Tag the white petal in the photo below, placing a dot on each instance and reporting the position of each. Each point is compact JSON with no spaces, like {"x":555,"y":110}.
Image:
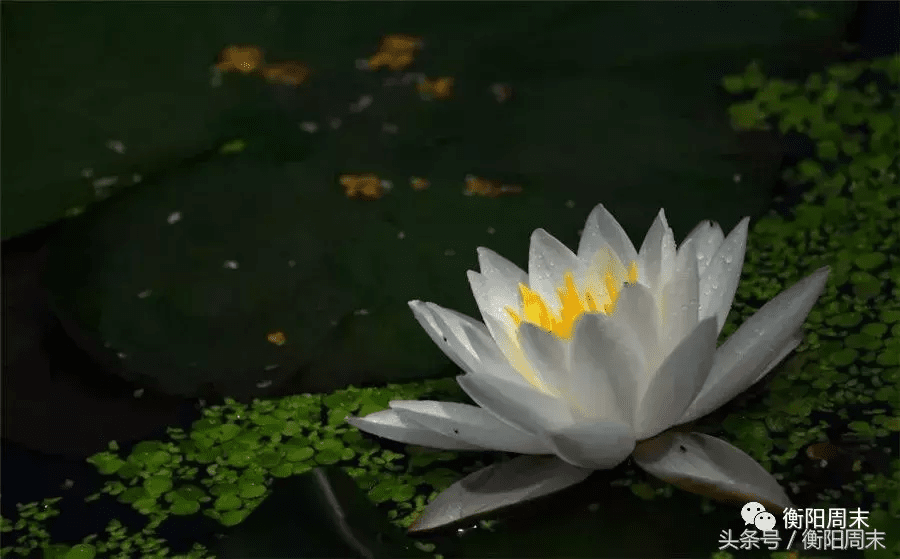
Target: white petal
{"x":454,"y":325}
{"x":440,"y":335}
{"x":679,"y":299}
{"x":499,"y":485}
{"x":389,"y":425}
{"x":469,"y":424}
{"x":720,"y":279}
{"x":740,"y":360}
{"x":494,"y":297}
{"x":598,"y":444}
{"x":603,"y":265}
{"x":493,"y":300}
{"x":499,"y":269}
{"x":519,"y":405}
{"x":637,"y":310}
{"x":547,"y":355}
{"x":601,"y":230}
{"x":707,"y":238}
{"x":513,"y":354}
{"x":709,"y":466}
{"x":607,"y":366}
{"x":677,"y":382}
{"x":471,"y":339}
{"x":548,"y":261}
{"x":657,"y":254}
{"x":786,"y":348}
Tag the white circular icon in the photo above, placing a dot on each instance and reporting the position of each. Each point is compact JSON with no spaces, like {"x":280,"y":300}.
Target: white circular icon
{"x":764,"y":521}
{"x":750,"y":510}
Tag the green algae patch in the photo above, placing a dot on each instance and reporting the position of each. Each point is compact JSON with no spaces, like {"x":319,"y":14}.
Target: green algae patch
{"x":845,"y":389}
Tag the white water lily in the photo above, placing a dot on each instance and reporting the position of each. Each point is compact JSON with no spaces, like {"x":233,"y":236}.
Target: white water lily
{"x":591,"y":357}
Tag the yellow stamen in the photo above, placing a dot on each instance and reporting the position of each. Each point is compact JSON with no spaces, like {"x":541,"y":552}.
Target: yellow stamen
{"x":633,"y":273}
{"x":573,"y":304}
{"x":612,"y":286}
{"x":602,"y":287}
{"x":534,"y":310}
{"x":571,"y":308}
{"x":591,"y":304}
{"x":514,"y":316}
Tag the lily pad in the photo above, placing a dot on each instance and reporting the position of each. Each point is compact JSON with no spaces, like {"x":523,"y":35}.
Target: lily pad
{"x":252,"y":273}
{"x":319,"y":514}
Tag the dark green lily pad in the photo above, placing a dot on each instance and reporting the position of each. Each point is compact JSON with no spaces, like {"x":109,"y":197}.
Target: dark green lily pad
{"x":316,"y":515}
{"x":263,"y":243}
{"x":98,"y":97}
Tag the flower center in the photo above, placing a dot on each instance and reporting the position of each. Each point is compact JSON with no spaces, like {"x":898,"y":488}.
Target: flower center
{"x":604,"y":280}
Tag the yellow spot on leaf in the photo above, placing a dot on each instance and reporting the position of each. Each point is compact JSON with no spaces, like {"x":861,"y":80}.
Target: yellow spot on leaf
{"x":288,"y":73}
{"x":418,"y":183}
{"x":400,"y":43}
{"x":395,"y":52}
{"x":477,"y":186}
{"x":438,"y":88}
{"x":243,"y":59}
{"x":362,"y":186}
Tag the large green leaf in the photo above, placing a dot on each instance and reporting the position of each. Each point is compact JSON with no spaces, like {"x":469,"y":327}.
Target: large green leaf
{"x":79,"y":75}
{"x":317,"y":515}
{"x":611,"y":105}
